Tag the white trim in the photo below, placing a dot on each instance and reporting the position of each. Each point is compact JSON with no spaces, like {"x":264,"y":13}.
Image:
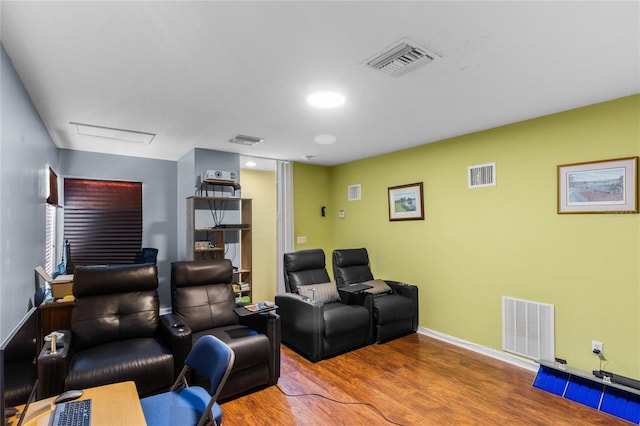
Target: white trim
{"x":284,"y":178}
{"x":483,"y":350}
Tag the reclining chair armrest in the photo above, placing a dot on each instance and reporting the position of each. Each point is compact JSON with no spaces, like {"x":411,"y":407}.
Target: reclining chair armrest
{"x":410,"y":291}
{"x":178,"y":338}
{"x":403,"y":289}
{"x":292,"y":303}
{"x":302,"y":324}
{"x":52,"y":368}
{"x":269,"y":324}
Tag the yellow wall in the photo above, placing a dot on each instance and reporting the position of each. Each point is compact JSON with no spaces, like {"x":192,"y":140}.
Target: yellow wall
{"x":476,"y":246}
{"x":309,"y":197}
{"x":260,"y":186}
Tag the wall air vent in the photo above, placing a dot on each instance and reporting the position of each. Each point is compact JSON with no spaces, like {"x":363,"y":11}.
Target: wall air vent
{"x":528,"y":328}
{"x":354,"y":192}
{"x":400,"y":58}
{"x":245,"y":140}
{"x":482,"y":175}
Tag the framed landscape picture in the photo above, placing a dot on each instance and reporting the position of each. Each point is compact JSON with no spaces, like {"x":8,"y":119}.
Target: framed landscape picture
{"x":405,"y":202}
{"x":608,"y":186}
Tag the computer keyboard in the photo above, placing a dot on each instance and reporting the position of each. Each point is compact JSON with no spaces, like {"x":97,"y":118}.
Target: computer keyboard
{"x":72,"y":413}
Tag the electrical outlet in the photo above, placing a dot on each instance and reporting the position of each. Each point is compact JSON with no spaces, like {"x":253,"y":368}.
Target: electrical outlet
{"x":597,"y":346}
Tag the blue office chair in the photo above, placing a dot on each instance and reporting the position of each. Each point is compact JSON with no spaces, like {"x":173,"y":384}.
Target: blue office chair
{"x":193,"y":405}
{"x":147,"y":255}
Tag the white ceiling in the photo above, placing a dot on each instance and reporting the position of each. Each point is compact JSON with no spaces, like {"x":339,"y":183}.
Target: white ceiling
{"x":197,"y":73}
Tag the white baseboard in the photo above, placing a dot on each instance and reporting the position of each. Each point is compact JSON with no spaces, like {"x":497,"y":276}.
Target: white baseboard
{"x":483,"y":350}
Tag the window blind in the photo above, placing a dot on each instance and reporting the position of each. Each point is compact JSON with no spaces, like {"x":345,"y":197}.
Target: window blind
{"x":50,"y":238}
{"x":102,"y":221}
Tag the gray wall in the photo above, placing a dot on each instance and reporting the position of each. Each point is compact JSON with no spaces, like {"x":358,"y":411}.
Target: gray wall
{"x":186,"y":187}
{"x":190,"y":167}
{"x":25,"y":150}
{"x":159,"y":192}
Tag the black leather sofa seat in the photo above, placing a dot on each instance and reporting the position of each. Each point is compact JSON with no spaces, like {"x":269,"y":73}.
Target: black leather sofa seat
{"x":202,"y":298}
{"x":143,"y":360}
{"x":395,"y":312}
{"x":346,"y":327}
{"x":252,"y":351}
{"x":394,"y":316}
{"x":116,"y":334}
{"x":339,"y":320}
{"x":314,"y":328}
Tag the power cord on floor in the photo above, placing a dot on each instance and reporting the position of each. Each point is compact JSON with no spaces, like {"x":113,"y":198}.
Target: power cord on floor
{"x":341,"y":402}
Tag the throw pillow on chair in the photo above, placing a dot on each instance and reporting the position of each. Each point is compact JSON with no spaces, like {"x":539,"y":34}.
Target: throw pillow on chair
{"x":325,"y":292}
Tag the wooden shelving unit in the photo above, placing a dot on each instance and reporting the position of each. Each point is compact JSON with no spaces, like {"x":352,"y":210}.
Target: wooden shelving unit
{"x":219,"y":228}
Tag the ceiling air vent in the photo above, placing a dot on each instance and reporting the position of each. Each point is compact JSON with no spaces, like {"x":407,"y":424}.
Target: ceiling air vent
{"x":400,"y":58}
{"x":354,"y":192}
{"x":245,"y":140}
{"x":482,"y":175}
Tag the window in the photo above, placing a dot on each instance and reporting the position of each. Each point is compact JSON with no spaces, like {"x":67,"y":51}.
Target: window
{"x":102,"y":221}
{"x":50,"y":238}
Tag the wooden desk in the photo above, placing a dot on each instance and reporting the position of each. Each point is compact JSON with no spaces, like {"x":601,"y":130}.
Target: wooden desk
{"x":112,"y":405}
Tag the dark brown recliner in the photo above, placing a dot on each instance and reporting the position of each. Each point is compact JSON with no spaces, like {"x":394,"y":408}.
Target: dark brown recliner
{"x":203,"y":299}
{"x":315,"y":324}
{"x":116,"y":334}
{"x":395,"y":304}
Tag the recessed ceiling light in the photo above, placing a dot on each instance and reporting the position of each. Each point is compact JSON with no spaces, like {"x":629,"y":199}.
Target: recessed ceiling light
{"x":326,"y":99}
{"x":113,"y":133}
{"x":250,"y":164}
{"x":325,"y":139}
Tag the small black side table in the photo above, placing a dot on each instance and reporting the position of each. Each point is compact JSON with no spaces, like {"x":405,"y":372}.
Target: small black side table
{"x":244,"y":312}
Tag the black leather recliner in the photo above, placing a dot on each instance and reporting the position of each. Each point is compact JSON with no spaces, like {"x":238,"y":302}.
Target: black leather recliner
{"x":395,"y":308}
{"x":318,"y":329}
{"x":203,"y":299}
{"x":116,"y":334}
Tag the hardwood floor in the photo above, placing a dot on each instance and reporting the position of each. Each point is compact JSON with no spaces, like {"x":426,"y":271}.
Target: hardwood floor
{"x":414,"y":380}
